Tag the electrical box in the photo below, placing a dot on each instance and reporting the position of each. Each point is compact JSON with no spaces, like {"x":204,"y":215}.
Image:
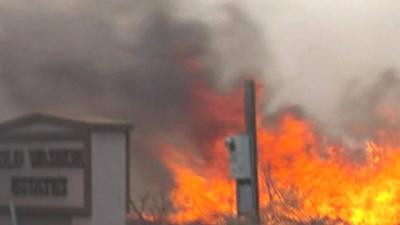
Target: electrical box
{"x":239,"y":156}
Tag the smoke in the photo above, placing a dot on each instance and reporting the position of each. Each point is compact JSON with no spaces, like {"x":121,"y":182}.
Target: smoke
{"x":123,"y":59}
{"x":310,"y":54}
{"x":327,"y":52}
{"x":130,"y":60}
{"x":319,"y":55}
{"x":116,"y":59}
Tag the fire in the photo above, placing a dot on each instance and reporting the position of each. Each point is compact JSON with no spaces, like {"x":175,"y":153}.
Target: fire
{"x":333,"y":186}
{"x":302,"y":176}
{"x":308,"y":177}
{"x":202,"y":193}
{"x":202,"y":190}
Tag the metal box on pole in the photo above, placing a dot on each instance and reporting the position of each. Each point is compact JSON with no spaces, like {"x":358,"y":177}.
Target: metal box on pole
{"x":239,"y":156}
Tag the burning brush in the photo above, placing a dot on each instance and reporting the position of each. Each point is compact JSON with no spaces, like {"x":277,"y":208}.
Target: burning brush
{"x":302,"y":178}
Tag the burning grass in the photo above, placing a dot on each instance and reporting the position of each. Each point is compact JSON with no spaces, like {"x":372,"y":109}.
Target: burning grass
{"x":305,"y":178}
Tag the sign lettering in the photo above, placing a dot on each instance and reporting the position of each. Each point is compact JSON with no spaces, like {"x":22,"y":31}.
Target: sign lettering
{"x":41,"y":158}
{"x":56,"y":158}
{"x":39,"y":186}
{"x":40,"y":173}
{"x":11,"y":159}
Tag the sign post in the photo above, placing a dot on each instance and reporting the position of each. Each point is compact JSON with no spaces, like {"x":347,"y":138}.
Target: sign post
{"x":13,"y":213}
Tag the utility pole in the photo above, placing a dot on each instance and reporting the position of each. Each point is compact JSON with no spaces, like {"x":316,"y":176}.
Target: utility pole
{"x":251,"y":130}
{"x":243,"y":159}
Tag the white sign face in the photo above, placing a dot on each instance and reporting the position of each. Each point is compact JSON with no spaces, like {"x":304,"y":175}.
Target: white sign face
{"x":43,"y":174}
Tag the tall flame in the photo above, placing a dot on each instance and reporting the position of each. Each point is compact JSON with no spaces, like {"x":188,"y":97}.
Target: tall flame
{"x":314,"y":179}
{"x":302,"y":175}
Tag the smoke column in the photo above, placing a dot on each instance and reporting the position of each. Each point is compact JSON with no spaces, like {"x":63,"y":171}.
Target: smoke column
{"x":334,"y":61}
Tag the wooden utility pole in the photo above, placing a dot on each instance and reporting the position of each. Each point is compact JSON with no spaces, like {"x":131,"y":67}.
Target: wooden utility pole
{"x":243,"y":160}
{"x":251,"y":130}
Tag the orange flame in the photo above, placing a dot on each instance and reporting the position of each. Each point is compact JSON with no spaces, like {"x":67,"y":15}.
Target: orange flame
{"x":314,"y":179}
{"x":324,"y":182}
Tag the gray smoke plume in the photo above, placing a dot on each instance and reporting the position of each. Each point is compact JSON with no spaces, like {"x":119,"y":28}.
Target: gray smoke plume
{"x":126,"y":59}
{"x":120,"y":59}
